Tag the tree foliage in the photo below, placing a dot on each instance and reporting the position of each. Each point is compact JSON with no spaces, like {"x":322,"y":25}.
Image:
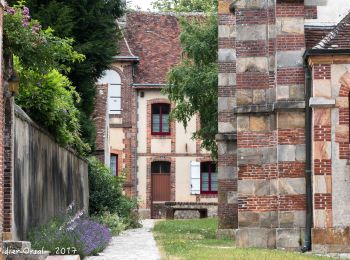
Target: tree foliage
{"x":40,"y":58}
{"x":193,"y":83}
{"x":186,"y":5}
{"x":91,"y":23}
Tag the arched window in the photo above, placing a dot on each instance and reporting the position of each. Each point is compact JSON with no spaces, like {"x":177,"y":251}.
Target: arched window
{"x":160,"y":167}
{"x":113,"y":79}
{"x":160,"y":119}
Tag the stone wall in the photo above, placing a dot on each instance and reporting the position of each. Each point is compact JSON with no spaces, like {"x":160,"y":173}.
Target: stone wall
{"x":226,"y":139}
{"x":47,"y":178}
{"x":330,"y":111}
{"x":262,"y":128}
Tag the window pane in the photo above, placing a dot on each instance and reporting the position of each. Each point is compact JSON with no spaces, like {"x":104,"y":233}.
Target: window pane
{"x":165,"y":109}
{"x":214,"y":181}
{"x":160,"y":167}
{"x":156,"y":123}
{"x":113,"y":165}
{"x":205,"y":181}
{"x":205,"y":167}
{"x":156,"y":109}
{"x":165,"y":123}
{"x":165,"y":167}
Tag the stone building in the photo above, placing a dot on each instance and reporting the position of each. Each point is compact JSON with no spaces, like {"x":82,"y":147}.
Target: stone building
{"x":284,"y":125}
{"x":160,"y":159}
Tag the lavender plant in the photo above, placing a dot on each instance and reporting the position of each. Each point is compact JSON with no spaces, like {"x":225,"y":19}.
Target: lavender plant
{"x":74,"y":229}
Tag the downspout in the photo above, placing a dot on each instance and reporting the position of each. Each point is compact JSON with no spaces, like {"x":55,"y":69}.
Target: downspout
{"x":308,"y":163}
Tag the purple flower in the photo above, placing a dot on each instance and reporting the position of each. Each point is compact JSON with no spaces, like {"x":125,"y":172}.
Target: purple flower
{"x":25,"y":11}
{"x":25,"y":23}
{"x":10,"y":10}
{"x":92,"y":236}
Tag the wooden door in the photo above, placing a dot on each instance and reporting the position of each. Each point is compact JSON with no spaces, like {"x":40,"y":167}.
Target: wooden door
{"x":160,"y":192}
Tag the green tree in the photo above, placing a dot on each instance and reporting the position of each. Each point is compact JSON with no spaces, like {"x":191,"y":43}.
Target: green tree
{"x":91,"y":23}
{"x":193,"y":84}
{"x":40,"y":58}
{"x":186,"y":5}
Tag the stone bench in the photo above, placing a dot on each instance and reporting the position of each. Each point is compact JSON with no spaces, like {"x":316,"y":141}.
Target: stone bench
{"x":202,"y":208}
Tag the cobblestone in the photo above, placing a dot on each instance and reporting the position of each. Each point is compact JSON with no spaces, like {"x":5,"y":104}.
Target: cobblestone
{"x":132,"y":245}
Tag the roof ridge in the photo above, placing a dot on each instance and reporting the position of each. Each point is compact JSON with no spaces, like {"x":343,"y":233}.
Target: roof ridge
{"x":331,"y":35}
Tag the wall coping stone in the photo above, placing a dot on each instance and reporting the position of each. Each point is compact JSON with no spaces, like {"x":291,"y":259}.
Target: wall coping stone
{"x":23,"y":116}
{"x":271,"y":107}
{"x":321,"y":102}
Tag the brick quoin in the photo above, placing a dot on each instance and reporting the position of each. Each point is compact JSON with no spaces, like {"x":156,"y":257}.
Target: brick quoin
{"x":322,"y":167}
{"x":290,"y":76}
{"x":323,"y":200}
{"x":343,"y":116}
{"x":310,"y":12}
{"x":291,"y":169}
{"x":251,"y":48}
{"x":292,"y":202}
{"x":251,"y":16}
{"x":227,"y":43}
{"x":252,"y":80}
{"x":256,"y":172}
{"x":344,"y":90}
{"x":322,"y":71}
{"x":290,"y":10}
{"x":226,"y":67}
{"x":291,"y":136}
{"x":255,"y":140}
{"x":258,"y":204}
{"x":322,"y":133}
{"x":226,"y":91}
{"x":290,"y":42}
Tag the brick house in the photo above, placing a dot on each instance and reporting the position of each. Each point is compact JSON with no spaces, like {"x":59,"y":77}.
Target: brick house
{"x":283,"y":167}
{"x":134,"y":135}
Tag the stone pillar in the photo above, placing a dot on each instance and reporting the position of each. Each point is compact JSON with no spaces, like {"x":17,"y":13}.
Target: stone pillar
{"x":227,"y":167}
{"x":290,"y":124}
{"x":256,"y":124}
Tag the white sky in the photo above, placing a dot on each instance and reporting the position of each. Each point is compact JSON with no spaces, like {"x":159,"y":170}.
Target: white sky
{"x":143,"y":4}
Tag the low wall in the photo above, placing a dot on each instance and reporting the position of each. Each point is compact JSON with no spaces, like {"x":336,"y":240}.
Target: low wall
{"x":47,"y":177}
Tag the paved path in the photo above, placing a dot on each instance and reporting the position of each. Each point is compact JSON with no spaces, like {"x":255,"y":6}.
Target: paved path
{"x":132,"y":244}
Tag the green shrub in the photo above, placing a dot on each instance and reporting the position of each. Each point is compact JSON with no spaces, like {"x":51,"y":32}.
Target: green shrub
{"x":106,"y":194}
{"x":112,"y":221}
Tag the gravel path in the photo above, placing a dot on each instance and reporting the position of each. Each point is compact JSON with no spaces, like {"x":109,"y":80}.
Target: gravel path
{"x":132,"y":244}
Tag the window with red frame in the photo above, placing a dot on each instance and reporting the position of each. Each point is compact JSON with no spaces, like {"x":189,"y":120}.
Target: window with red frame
{"x":209,"y":178}
{"x":160,"y":119}
{"x":114,"y":164}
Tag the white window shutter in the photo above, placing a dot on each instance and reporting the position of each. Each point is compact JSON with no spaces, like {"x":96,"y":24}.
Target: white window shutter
{"x":114,"y":101}
{"x":195,"y":177}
